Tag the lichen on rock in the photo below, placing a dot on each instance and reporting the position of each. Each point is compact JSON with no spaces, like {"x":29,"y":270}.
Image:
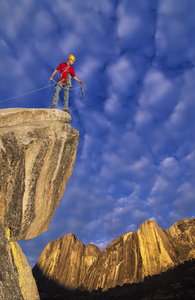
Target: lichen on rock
{"x":37,"y":153}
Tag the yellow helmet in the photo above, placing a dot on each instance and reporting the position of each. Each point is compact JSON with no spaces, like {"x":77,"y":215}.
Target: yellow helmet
{"x":72,"y":57}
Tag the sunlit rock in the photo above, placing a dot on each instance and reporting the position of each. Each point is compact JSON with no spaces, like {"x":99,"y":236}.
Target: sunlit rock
{"x":37,"y":153}
{"x":64,"y":262}
{"x":16,"y":279}
{"x":127,"y":259}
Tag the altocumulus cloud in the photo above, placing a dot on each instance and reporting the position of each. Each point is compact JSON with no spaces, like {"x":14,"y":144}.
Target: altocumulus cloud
{"x":135,"y":159}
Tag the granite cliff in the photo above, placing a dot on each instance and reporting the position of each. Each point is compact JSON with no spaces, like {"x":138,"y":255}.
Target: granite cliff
{"x":65,"y":261}
{"x":37,"y":153}
{"x":129,"y":258}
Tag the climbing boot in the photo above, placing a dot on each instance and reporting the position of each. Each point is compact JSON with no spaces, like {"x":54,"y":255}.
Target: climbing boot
{"x":52,"y":106}
{"x":66,"y":110}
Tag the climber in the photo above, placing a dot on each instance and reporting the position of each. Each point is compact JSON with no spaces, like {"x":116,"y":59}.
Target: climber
{"x":66,"y":71}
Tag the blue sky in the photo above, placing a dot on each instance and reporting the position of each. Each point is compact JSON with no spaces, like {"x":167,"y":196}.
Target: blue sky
{"x":136,"y":155}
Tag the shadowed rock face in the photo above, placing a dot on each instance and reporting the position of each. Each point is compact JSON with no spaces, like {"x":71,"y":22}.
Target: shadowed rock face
{"x":37,"y":153}
{"x":65,"y":261}
{"x":129,"y":258}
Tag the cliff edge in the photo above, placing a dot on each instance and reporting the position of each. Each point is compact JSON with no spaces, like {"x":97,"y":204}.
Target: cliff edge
{"x":37,"y":153}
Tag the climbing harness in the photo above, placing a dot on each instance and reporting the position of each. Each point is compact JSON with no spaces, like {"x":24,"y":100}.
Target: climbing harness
{"x":66,"y":81}
{"x":83,"y":92}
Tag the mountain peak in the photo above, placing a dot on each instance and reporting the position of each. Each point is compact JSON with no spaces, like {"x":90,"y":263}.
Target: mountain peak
{"x":128,"y":258}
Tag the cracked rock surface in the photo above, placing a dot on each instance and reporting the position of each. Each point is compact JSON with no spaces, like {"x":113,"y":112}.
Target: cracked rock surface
{"x":127,"y":259}
{"x":37,"y":153}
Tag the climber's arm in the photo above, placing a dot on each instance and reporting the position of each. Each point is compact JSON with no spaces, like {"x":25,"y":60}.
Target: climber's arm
{"x":54,"y":72}
{"x":78,"y":79}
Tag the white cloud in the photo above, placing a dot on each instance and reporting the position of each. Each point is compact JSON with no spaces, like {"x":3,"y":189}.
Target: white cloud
{"x":156,"y":90}
{"x":157,"y":100}
{"x":170,"y":168}
{"x":189,"y":165}
{"x":86,"y":147}
{"x":160,"y":186}
{"x":128,"y":24}
{"x":12,"y":26}
{"x":43,"y":24}
{"x":143,"y":118}
{"x":141,"y":165}
{"x":89,"y":68}
{"x":104,"y":6}
{"x":69,"y":43}
{"x":174,"y":39}
{"x":183,"y":110}
{"x":112,"y":104}
{"x":140,"y":215}
{"x":122,"y":75}
{"x":132,"y":19}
